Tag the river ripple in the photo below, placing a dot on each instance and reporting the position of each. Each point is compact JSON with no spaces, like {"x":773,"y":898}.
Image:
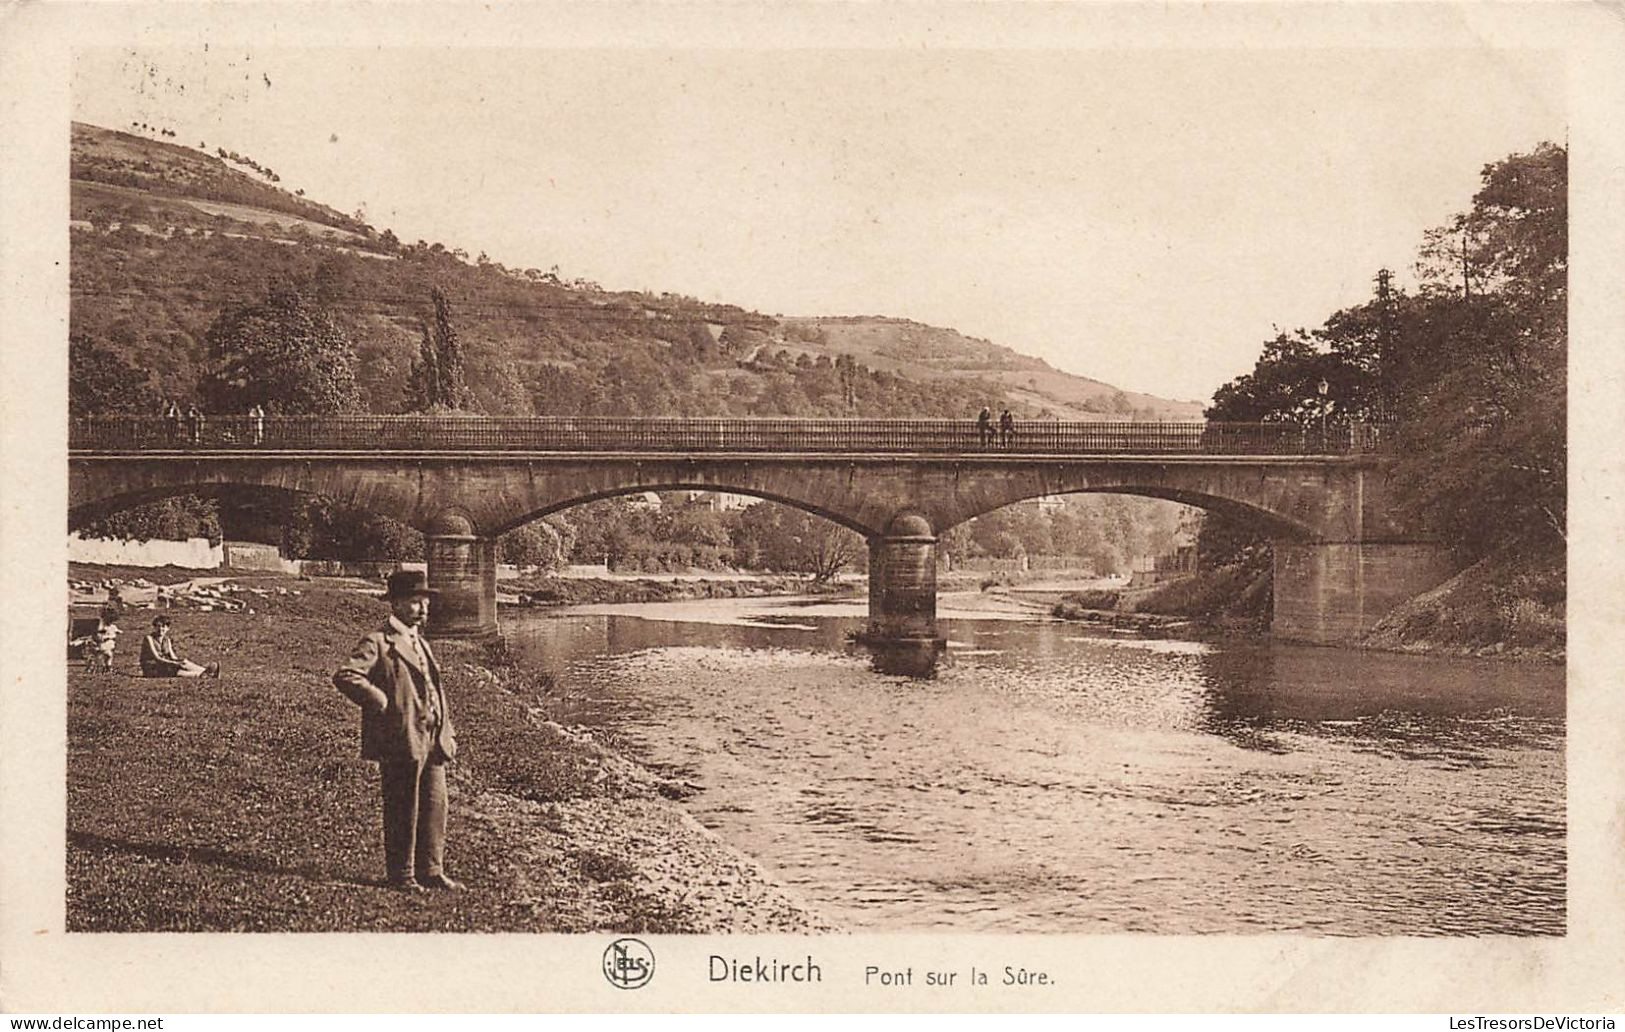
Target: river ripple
{"x":1050,"y":779}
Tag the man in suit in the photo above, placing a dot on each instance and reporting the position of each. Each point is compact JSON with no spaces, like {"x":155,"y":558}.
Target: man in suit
{"x":406,"y":727}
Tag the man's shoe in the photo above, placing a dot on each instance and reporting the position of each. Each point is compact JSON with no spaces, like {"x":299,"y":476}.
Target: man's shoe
{"x":213,"y":670}
{"x":404,"y":884}
{"x":440,"y":881}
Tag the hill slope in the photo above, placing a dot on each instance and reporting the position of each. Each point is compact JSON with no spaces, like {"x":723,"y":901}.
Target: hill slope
{"x":166,"y":237}
{"x":927,"y":353}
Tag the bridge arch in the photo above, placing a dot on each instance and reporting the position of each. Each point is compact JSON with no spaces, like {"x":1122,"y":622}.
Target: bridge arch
{"x":553,"y":506}
{"x":84,"y":511}
{"x":1307,"y":503}
{"x":405,"y":491}
{"x":1274,"y":523}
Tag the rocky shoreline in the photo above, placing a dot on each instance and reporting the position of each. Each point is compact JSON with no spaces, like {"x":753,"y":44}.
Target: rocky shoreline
{"x":639,"y":835}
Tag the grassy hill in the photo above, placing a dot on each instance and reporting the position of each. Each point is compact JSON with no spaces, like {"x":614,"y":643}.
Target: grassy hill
{"x":166,"y":237}
{"x":928,"y":353}
{"x":158,"y":169}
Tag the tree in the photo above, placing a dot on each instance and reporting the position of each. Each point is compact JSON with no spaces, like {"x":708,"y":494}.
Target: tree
{"x":534,"y":544}
{"x":777,"y":537}
{"x":334,"y":531}
{"x":101,"y":380}
{"x":827,"y":549}
{"x":1481,"y":450}
{"x":171,"y":519}
{"x":454,"y":392}
{"x":333,"y":281}
{"x":1469,"y":374}
{"x":285,"y":353}
{"x":437,"y":380}
{"x":422,"y":391}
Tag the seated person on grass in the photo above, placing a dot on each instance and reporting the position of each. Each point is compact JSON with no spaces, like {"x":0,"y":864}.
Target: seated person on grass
{"x":158,"y":657}
{"x":107,"y":632}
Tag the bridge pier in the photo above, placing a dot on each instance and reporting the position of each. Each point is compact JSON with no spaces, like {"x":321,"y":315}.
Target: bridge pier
{"x":1330,"y":593}
{"x":903,"y":633}
{"x":463,"y":568}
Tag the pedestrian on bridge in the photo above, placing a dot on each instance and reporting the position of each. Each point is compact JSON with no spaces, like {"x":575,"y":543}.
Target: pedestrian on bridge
{"x":984,"y":426}
{"x":1007,"y":428}
{"x":256,"y":421}
{"x":172,"y":414}
{"x":406,"y":727}
{"x":194,"y":419}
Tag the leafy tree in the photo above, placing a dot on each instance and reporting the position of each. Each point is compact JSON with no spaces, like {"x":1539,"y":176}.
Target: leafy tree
{"x":438,"y":380}
{"x":101,"y":380}
{"x":534,"y":544}
{"x":172,"y":519}
{"x":337,"y":531}
{"x":285,"y":353}
{"x":422,"y":392}
{"x":453,"y":379}
{"x":769,"y":536}
{"x":1481,"y":450}
{"x":1469,"y":375}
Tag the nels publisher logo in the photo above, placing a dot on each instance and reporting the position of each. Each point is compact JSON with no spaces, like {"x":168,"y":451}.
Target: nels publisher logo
{"x":629,"y":964}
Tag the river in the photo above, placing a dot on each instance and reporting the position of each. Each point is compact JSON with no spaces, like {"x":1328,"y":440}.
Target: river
{"x":1053,"y":778}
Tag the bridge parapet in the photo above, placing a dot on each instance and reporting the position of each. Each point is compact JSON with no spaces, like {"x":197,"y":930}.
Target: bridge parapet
{"x":462,"y":434}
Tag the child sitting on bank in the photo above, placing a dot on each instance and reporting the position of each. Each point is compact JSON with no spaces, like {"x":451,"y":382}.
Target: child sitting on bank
{"x":158,"y":658}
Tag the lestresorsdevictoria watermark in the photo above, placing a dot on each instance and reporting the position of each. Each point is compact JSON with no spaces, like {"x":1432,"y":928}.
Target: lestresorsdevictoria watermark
{"x":1534,"y":1023}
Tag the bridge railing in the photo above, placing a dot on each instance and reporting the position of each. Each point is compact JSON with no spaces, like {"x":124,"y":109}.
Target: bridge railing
{"x":370,"y":433}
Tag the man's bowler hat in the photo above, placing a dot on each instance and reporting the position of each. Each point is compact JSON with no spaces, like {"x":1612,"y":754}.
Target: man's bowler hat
{"x":409,"y":583}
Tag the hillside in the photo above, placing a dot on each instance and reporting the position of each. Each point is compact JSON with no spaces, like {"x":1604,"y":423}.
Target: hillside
{"x":160,"y":169}
{"x":166,"y":237}
{"x":927,"y":353}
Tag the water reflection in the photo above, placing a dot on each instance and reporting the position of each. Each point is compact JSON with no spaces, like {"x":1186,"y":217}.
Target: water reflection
{"x":1054,"y":779}
{"x":1451,"y":710}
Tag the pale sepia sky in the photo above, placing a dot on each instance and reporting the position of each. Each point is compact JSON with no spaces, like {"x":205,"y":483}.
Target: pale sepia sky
{"x":1145,"y":218}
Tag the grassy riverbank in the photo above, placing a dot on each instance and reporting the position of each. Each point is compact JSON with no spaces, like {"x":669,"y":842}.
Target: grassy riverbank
{"x":242,"y":803}
{"x":1231,"y":599}
{"x":1504,"y":606}
{"x":1514,"y":607}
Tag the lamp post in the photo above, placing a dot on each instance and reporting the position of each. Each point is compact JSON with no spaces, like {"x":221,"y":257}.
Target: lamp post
{"x":1323,"y":387}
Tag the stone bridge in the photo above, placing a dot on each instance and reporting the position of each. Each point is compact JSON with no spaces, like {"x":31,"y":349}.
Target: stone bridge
{"x":1341,"y":557}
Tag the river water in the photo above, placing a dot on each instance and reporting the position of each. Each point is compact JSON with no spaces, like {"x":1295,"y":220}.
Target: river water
{"x":1053,"y":778}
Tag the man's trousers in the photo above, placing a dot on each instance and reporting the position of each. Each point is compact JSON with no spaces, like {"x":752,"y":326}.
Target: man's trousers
{"x":414,"y":817}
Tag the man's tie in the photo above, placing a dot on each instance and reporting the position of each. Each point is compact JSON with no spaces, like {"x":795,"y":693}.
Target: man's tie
{"x":431,"y":698}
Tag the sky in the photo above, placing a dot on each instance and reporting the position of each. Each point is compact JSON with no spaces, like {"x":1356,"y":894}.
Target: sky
{"x":1146,"y":218}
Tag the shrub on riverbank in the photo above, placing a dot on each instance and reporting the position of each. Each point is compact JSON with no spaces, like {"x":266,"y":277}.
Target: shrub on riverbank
{"x":1514,"y":605}
{"x":1238,"y":592}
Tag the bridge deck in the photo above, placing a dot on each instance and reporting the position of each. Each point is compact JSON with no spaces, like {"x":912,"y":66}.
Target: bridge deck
{"x":461,"y":435}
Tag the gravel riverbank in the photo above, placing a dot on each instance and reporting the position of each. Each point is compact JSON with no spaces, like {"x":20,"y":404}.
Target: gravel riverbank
{"x":242,"y":804}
